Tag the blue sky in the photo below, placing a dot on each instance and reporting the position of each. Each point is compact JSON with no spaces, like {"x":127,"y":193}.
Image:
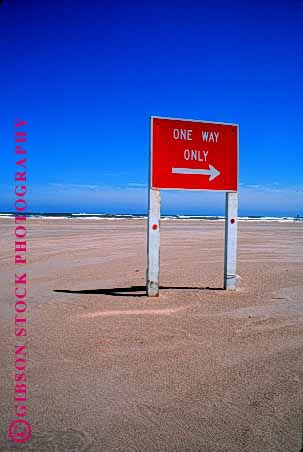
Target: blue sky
{"x":86,"y":76}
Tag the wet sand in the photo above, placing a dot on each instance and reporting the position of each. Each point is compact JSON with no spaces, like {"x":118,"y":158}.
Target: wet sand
{"x":197,"y":369}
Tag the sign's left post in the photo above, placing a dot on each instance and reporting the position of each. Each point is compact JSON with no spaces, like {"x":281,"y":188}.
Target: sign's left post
{"x":153,"y":243}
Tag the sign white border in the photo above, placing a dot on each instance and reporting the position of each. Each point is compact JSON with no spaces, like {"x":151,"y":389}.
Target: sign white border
{"x":150,"y":172}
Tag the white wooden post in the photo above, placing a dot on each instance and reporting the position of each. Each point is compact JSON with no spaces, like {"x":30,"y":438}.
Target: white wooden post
{"x":230,"y":249}
{"x":153,"y":243}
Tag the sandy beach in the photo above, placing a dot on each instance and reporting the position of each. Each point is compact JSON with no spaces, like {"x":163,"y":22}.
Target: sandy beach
{"x":196,"y":370}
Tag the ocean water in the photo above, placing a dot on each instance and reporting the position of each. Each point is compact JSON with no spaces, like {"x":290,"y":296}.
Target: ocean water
{"x":106,"y":216}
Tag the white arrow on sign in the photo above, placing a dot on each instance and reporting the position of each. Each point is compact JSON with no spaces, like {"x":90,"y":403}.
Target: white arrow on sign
{"x":212,"y":172}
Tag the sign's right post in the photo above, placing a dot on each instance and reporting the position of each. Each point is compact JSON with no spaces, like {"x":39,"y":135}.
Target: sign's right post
{"x":230,"y":248}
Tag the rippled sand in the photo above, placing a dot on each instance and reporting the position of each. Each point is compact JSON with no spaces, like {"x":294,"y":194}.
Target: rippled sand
{"x":198,"y":369}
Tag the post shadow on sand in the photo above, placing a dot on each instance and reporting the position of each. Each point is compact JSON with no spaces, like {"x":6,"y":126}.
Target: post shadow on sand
{"x":131,"y":291}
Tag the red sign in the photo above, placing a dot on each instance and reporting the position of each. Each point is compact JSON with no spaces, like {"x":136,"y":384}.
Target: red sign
{"x":194,"y":155}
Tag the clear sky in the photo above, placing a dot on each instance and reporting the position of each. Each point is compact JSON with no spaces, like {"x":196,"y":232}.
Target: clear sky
{"x":86,"y":76}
